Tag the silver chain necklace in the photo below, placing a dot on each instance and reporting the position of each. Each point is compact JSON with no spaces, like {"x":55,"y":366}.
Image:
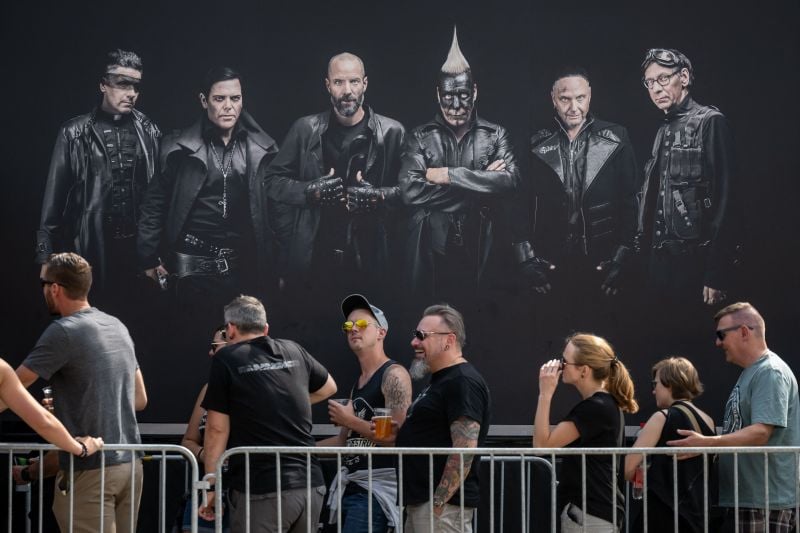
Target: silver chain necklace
{"x":225,"y":171}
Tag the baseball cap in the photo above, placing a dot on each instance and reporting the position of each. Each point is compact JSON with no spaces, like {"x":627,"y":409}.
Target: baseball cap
{"x":358,"y":301}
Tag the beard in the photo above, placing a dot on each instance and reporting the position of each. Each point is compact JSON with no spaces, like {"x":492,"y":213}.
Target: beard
{"x":51,"y":306}
{"x":419,"y":369}
{"x":347,"y":106}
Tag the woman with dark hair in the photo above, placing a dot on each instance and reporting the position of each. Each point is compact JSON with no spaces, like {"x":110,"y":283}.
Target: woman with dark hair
{"x":590,"y":365}
{"x":675,"y":384}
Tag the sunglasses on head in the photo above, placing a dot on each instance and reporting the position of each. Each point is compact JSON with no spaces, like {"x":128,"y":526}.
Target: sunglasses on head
{"x":361,"y":323}
{"x":422,"y":335}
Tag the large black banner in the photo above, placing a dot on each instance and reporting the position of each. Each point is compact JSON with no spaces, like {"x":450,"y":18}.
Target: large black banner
{"x":745,"y":64}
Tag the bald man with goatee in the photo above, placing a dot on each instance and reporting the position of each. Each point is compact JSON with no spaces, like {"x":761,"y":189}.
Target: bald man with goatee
{"x":333,"y":185}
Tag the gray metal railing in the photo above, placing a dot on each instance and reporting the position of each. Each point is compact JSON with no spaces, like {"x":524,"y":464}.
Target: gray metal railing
{"x":492,"y":460}
{"x":156,"y":452}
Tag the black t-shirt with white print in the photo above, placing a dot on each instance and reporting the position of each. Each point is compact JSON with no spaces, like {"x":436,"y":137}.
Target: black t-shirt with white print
{"x":263,"y":385}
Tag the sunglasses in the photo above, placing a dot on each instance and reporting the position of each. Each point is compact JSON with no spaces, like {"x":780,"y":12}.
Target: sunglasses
{"x":219,"y":343}
{"x":654,"y":383}
{"x":564,"y":363}
{"x":361,"y":323}
{"x":46,"y":282}
{"x":721,"y":332}
{"x":422,"y":335}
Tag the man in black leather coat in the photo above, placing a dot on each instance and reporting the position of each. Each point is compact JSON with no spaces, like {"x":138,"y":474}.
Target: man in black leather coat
{"x":585,"y":182}
{"x":203,"y":221}
{"x":455,"y":171}
{"x":689,"y":216}
{"x":99,"y":171}
{"x":333,"y":187}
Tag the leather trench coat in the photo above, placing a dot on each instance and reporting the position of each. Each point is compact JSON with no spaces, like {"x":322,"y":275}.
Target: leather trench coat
{"x":183,"y":172}
{"x":78,"y":188}
{"x":473,"y":191}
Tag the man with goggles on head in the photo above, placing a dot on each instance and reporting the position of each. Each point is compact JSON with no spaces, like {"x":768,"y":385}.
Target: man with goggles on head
{"x":688,"y":214}
{"x":456,"y":170}
{"x":383,"y":383}
{"x":100,"y":168}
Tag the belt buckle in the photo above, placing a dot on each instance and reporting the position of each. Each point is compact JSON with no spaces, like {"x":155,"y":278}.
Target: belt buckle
{"x":222,"y":264}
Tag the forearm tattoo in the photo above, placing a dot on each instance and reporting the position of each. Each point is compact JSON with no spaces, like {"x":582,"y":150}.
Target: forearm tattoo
{"x":396,"y":390}
{"x":464,"y":434}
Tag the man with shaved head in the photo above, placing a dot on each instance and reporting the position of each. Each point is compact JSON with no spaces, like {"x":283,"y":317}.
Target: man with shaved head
{"x":762,"y":410}
{"x":334,"y":184}
{"x":457,"y":168}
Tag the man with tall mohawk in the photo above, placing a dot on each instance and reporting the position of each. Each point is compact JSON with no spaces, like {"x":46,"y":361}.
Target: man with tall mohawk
{"x":453,"y":173}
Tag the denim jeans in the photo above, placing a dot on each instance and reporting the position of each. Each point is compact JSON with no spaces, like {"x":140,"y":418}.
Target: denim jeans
{"x":355,"y":514}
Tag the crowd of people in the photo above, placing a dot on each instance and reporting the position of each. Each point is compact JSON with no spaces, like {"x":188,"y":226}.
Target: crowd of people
{"x":217,"y":211}
{"x":260,"y":391}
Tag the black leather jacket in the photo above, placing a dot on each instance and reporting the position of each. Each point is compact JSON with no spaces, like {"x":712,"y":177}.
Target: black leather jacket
{"x":183,"y":171}
{"x":472,"y":191}
{"x":295,"y":222}
{"x":75,"y":194}
{"x":610,"y":186}
{"x":687,"y":196}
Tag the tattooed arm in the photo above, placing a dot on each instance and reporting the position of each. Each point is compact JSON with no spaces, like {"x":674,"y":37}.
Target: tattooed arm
{"x":396,"y":389}
{"x":464,"y":434}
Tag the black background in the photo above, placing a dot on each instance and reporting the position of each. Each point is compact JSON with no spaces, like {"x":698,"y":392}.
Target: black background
{"x":745,"y":62}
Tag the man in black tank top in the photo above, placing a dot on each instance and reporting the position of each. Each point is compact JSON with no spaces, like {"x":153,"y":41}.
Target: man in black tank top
{"x":382,"y":384}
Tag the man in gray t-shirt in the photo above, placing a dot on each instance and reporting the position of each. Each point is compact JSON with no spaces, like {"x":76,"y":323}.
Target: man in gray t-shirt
{"x":762,"y":410}
{"x":89,"y":359}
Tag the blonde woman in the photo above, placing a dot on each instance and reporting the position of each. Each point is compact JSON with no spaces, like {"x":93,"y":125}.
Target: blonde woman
{"x":589,"y":364}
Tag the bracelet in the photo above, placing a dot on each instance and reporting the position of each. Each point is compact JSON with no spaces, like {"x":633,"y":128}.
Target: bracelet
{"x":84,"y":451}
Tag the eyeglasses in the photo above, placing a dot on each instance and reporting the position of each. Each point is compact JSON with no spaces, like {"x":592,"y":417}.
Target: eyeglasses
{"x":654,"y":383}
{"x":422,"y":335}
{"x":361,"y":323}
{"x":46,"y":282}
{"x":662,"y":80}
{"x":721,"y":332}
{"x":564,"y":363}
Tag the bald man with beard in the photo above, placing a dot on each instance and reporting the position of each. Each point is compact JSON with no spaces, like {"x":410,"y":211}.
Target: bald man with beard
{"x":333,"y":185}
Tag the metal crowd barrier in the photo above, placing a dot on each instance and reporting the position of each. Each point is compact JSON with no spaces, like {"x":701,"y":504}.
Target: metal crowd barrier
{"x":503,"y":455}
{"x":514,"y":460}
{"x":153,"y":452}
